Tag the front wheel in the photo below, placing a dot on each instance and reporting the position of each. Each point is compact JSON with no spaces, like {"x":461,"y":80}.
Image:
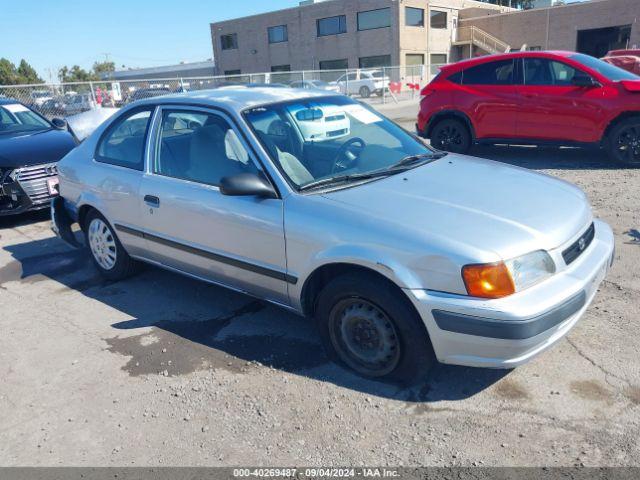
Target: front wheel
{"x":367,"y":325}
{"x":108,"y":254}
{"x":451,"y":135}
{"x":623,"y":142}
{"x":365,"y":92}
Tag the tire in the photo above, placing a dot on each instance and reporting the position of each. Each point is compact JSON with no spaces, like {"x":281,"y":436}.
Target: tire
{"x":107,"y":253}
{"x":368,"y":325}
{"x":623,"y":142}
{"x":451,"y":135}
{"x":365,"y":92}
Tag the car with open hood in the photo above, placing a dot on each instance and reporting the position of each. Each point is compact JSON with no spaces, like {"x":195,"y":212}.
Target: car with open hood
{"x":402,"y":254}
{"x":30,"y":147}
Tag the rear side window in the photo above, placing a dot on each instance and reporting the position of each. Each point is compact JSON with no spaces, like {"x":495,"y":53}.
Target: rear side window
{"x":491,"y":73}
{"x":455,"y":78}
{"x":123,"y":143}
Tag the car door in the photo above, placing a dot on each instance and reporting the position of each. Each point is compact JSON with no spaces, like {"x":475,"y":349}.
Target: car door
{"x":553,"y":108}
{"x":192,"y":227}
{"x":116,"y":174}
{"x":488,"y":94}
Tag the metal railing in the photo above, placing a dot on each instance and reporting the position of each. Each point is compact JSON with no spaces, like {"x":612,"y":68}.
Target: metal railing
{"x":373,"y":85}
{"x":482,"y":39}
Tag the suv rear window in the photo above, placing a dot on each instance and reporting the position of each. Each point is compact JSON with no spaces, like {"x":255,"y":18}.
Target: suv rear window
{"x":491,"y":73}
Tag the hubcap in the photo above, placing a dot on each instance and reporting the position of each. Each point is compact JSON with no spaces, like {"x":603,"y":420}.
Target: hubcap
{"x":364,"y":337}
{"x":102,"y":244}
{"x":628,"y":144}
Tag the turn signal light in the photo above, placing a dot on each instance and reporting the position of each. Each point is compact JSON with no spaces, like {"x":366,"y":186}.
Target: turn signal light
{"x":490,"y":280}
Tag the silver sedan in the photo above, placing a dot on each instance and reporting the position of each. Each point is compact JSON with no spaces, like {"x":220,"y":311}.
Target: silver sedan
{"x":403,"y":255}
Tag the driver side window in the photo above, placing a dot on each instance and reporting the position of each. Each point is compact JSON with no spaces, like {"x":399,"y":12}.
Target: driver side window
{"x":541,"y":71}
{"x":200,"y":147}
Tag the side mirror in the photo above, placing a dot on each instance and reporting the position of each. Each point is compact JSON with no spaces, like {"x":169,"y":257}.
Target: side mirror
{"x":247,"y":184}
{"x":584,"y":81}
{"x":59,"y":124}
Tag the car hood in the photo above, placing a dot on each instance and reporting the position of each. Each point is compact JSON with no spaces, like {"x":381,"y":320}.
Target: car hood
{"x":488,"y":207}
{"x":26,"y":149}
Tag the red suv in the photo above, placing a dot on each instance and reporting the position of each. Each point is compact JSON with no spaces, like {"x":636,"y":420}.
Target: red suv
{"x":540,"y":98}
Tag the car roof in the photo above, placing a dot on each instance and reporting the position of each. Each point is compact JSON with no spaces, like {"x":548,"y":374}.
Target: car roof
{"x":506,"y":56}
{"x":8,"y":101}
{"x":236,"y":98}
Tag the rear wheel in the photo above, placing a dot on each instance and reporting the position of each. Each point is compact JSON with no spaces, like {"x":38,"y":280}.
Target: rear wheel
{"x":451,"y":135}
{"x":365,"y":92}
{"x":107,"y":252}
{"x":370,"y":328}
{"x":623,"y":142}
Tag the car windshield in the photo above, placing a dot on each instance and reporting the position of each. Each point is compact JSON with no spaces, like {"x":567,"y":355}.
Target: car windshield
{"x":612,"y":72}
{"x":318,"y":140}
{"x":16,"y":118}
{"x":318,"y":83}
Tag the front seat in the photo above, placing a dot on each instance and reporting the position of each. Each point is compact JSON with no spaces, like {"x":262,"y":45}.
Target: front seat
{"x":208,"y":162}
{"x":294,"y":169}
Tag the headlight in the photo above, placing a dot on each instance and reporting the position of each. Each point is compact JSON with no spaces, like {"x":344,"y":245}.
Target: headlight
{"x":496,"y":280}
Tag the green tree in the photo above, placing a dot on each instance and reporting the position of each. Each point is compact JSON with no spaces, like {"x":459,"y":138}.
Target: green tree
{"x":103,"y":68}
{"x":28,"y":74}
{"x":10,"y":75}
{"x":75,"y":74}
{"x":7,"y":72}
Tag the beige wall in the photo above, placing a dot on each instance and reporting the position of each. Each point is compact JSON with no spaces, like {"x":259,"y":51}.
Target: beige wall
{"x":305,"y":49}
{"x":557,"y":27}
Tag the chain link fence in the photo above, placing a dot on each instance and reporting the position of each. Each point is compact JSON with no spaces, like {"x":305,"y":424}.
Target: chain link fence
{"x":373,"y":85}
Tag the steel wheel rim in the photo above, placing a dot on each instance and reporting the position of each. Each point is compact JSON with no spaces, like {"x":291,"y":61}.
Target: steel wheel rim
{"x":365,"y":337}
{"x":102,"y":243}
{"x":628,"y":144}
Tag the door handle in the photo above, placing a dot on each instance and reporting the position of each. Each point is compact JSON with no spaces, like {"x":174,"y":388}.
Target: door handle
{"x":152,"y":200}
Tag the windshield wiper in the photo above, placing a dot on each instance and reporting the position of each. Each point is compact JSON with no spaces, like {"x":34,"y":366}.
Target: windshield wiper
{"x":323,"y":182}
{"x":415,"y":160}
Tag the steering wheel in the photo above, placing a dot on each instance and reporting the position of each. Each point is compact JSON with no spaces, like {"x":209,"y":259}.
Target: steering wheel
{"x":346,"y":158}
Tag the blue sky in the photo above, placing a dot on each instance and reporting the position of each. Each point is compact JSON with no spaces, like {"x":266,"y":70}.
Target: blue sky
{"x":136,"y":33}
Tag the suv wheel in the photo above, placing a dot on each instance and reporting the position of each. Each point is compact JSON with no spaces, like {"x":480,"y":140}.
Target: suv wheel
{"x":451,"y":135}
{"x":365,"y":92}
{"x":107,"y":252}
{"x":370,"y":328}
{"x":623,"y":142}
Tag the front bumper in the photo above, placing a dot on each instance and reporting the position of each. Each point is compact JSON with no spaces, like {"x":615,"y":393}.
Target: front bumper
{"x":27,"y":188}
{"x":510,"y":331}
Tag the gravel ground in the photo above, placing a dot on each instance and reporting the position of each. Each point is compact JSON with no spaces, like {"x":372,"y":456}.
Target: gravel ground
{"x":164,"y":370}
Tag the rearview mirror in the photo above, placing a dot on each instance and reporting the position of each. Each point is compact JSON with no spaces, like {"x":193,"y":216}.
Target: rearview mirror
{"x":59,"y":123}
{"x":247,"y":184}
{"x":309,"y":115}
{"x":584,"y":81}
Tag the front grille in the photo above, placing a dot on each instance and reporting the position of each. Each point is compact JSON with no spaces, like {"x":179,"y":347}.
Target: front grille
{"x":579,"y":246}
{"x":33,"y":180}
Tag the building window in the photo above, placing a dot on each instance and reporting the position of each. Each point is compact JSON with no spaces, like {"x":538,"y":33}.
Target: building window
{"x":332,"y":25}
{"x":535,"y":48}
{"x":229,"y":42}
{"x":375,"y":62}
{"x":281,"y":68}
{"x":438,"y":19}
{"x":437,"y":60}
{"x":278,"y":34}
{"x":371,"y":19}
{"x":413,"y":17}
{"x":232,"y":72}
{"x":414,"y":59}
{"x":341,"y":64}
